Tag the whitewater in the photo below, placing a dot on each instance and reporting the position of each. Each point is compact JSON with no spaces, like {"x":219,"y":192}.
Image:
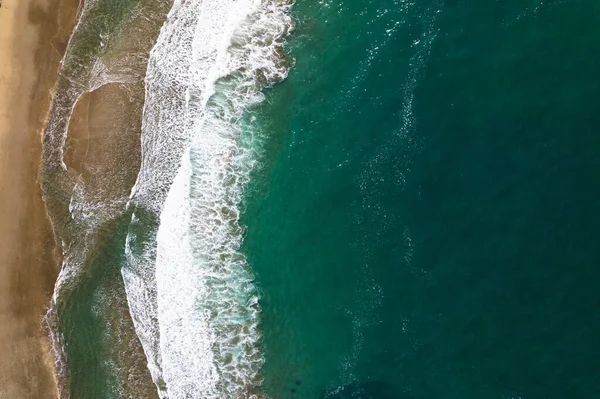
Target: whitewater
{"x":189,"y":288}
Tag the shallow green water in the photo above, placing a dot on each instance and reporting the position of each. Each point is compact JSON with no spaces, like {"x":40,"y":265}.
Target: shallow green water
{"x":98,"y":354}
{"x":425,"y":224}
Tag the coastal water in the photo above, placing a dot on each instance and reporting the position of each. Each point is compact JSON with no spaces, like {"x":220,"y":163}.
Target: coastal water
{"x":426,"y":224}
{"x":396,"y":200}
{"x":91,"y":160}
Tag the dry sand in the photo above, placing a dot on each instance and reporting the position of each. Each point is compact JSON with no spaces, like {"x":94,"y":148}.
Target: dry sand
{"x":33,"y":36}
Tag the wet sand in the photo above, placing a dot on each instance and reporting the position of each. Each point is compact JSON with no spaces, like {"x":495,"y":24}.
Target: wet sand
{"x":33,"y":37}
{"x":102,"y":155}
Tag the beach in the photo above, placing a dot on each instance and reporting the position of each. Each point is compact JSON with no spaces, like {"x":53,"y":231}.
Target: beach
{"x":33,"y":37}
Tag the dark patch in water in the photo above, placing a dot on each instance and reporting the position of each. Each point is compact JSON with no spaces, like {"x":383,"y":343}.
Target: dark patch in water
{"x":366,"y":390}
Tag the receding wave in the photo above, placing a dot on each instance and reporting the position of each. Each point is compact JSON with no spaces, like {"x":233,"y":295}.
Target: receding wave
{"x":90,"y":161}
{"x":189,"y":288}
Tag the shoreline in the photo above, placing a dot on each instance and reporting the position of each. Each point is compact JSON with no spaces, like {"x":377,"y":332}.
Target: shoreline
{"x":91,"y":144}
{"x":33,"y":37}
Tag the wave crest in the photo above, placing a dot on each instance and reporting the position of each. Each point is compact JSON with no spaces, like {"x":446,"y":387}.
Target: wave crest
{"x":190,"y":290}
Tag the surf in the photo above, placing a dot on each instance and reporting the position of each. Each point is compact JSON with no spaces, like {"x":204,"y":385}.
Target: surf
{"x":190,"y":290}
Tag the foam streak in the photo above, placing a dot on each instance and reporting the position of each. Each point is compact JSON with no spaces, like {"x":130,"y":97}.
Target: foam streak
{"x":189,"y":288}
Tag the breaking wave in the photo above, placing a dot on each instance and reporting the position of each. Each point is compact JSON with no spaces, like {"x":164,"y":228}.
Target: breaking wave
{"x":190,"y":290}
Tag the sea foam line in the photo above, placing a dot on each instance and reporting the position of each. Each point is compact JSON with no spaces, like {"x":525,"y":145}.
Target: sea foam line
{"x":76,"y":77}
{"x":189,"y":288}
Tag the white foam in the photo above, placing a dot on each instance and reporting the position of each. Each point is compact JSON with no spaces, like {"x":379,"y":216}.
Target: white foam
{"x":89,"y":206}
{"x":191,"y":296}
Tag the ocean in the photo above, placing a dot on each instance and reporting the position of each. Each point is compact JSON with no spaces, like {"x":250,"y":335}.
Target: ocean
{"x":354,"y":199}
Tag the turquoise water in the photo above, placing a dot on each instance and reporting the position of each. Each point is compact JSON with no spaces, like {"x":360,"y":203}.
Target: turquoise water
{"x":416,"y":203}
{"x":426,"y":224}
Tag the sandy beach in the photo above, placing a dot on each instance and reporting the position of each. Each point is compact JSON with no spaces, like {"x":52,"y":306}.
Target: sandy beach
{"x":33,"y":37}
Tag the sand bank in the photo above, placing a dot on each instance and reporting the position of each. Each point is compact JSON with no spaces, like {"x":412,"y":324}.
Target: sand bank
{"x":33,"y":36}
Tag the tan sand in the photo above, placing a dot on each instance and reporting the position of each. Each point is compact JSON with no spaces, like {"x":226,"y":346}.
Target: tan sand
{"x":33,"y":36}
